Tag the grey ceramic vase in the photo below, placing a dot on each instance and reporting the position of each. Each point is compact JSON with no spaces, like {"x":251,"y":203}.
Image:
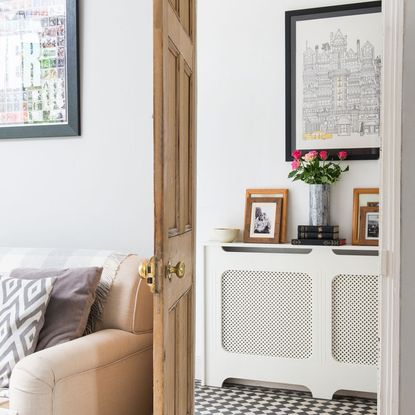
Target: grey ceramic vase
{"x":319,"y":204}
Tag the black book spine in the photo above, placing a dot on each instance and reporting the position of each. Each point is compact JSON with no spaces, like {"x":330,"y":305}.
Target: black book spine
{"x":319,"y":242}
{"x":309,"y":228}
{"x":318,"y":235}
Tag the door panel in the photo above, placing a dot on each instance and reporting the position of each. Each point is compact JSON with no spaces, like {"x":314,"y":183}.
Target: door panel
{"x":174,"y":179}
{"x":185,"y":14}
{"x":175,"y":5}
{"x":182,"y":341}
{"x":179,"y":363}
{"x":186,"y":148}
{"x":176,"y":288}
{"x":172,"y":167}
{"x":171,"y":364}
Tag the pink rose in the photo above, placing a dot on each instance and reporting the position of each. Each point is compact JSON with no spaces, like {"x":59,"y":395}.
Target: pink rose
{"x":342,"y":155}
{"x":295,"y":164}
{"x":312,"y":155}
{"x":297,"y":154}
{"x":324,"y":155}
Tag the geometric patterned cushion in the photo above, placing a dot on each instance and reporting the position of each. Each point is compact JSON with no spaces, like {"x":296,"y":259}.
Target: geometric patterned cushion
{"x":23,"y":305}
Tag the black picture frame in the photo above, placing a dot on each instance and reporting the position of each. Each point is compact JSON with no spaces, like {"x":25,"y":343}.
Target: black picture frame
{"x":291,"y":17}
{"x":73,"y":125}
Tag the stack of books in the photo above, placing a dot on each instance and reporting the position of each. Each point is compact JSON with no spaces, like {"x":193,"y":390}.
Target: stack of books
{"x":318,"y":235}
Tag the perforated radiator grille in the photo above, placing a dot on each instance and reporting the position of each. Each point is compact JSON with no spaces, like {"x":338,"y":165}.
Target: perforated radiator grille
{"x":267,"y":313}
{"x":355,"y":307}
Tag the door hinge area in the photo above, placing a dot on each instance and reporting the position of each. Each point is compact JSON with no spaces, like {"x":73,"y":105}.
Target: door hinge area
{"x":385,"y":263}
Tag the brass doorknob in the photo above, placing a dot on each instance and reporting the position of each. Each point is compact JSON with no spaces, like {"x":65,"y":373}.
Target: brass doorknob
{"x":143,"y":269}
{"x":147,"y":271}
{"x":179,"y":270}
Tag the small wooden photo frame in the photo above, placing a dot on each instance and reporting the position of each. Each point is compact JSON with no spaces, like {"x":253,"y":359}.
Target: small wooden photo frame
{"x":272,"y":193}
{"x":369,"y":225}
{"x":263,"y":220}
{"x":365,"y":210}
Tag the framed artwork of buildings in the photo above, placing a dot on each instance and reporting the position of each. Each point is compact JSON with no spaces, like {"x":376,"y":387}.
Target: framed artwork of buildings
{"x":39,"y":84}
{"x":333,"y":79}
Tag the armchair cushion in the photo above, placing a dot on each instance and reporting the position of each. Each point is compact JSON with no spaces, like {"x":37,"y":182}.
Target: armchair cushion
{"x":4,"y":403}
{"x":129,"y":305}
{"x":105,"y":373}
{"x":70,"y":303}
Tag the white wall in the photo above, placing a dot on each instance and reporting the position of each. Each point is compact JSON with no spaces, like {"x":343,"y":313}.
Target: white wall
{"x":94,"y":191}
{"x":241,"y":119}
{"x":407,"y":365}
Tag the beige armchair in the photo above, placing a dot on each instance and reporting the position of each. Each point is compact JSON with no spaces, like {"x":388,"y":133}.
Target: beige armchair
{"x":105,"y":373}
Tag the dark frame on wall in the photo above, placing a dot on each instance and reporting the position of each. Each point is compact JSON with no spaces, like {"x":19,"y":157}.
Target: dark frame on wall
{"x":291,"y":19}
{"x":72,"y":125}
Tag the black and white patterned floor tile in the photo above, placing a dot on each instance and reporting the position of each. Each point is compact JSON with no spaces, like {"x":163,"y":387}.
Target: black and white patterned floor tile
{"x":248,"y":400}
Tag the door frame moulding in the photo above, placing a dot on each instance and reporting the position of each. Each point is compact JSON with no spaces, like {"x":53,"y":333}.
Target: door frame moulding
{"x":393,"y":20}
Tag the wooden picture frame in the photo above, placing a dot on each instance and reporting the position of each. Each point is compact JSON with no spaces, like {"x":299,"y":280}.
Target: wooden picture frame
{"x":363,"y":232}
{"x":362,"y":197}
{"x":279,"y":193}
{"x":263,"y":220}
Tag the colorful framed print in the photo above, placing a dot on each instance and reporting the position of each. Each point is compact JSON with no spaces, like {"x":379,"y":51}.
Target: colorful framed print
{"x":39,"y":77}
{"x":263,"y":220}
{"x":333,"y":80}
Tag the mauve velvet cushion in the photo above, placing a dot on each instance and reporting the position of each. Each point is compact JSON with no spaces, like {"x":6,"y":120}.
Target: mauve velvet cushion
{"x":70,"y":303}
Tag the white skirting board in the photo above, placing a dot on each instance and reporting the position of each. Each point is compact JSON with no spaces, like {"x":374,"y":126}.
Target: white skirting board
{"x":198,"y":368}
{"x":304,"y":316}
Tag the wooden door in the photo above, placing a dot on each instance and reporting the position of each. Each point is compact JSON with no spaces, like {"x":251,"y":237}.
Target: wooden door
{"x":174,"y":170}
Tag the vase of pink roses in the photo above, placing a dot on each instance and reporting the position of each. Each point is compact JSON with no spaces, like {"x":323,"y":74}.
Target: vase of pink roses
{"x":316,"y":170}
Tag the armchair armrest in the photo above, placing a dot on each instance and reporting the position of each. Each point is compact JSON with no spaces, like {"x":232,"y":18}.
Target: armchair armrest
{"x":105,"y":373}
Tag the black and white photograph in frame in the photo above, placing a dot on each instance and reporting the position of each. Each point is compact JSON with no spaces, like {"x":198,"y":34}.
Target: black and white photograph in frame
{"x":372,"y":226}
{"x":333,"y":80}
{"x":263,"y":220}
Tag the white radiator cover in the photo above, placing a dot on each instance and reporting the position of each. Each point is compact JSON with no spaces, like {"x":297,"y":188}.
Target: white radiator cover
{"x":304,"y":316}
